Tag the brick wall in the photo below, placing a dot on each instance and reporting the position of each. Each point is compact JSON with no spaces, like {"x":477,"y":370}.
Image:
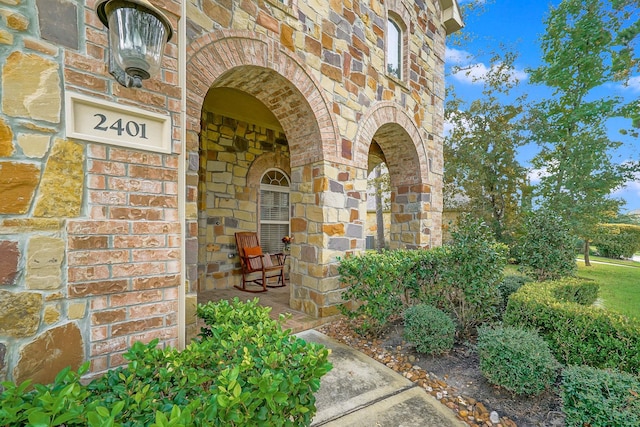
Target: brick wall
{"x":89,"y":234}
{"x":90,"y":238}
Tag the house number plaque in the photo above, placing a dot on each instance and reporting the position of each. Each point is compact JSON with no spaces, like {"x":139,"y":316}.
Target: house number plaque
{"x":95,"y":120}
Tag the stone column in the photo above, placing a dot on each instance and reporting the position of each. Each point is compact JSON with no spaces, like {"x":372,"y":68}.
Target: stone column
{"x":328,"y":222}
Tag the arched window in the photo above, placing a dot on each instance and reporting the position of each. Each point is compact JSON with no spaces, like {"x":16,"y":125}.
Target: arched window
{"x":394,"y":48}
{"x":274,"y":210}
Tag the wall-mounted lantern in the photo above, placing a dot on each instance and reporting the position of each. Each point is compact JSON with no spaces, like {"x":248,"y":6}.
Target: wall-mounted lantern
{"x":138,"y":33}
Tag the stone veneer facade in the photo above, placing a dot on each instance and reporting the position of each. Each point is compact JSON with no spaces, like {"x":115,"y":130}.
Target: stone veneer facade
{"x":102,"y":245}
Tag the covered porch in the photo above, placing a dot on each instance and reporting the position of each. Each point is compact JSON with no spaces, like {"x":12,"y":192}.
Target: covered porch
{"x":277,"y":299}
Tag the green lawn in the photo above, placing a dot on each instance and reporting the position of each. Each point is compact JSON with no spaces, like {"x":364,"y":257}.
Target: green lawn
{"x":619,"y":286}
{"x":609,"y":260}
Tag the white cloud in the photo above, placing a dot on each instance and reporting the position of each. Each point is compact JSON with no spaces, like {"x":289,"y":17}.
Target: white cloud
{"x":521,"y":75}
{"x":472,"y":74}
{"x":634,"y":83}
{"x":631,"y":188}
{"x":456,"y":56}
{"x":477,"y":73}
{"x":448,"y":127}
{"x":536,"y":174}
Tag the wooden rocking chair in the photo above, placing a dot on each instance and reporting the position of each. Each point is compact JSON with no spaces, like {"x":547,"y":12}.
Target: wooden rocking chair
{"x":254,"y":263}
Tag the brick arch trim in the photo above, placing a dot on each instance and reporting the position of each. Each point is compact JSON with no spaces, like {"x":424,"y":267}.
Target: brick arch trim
{"x":313,"y":134}
{"x":263,"y":163}
{"x":399,"y":8}
{"x":410,"y":165}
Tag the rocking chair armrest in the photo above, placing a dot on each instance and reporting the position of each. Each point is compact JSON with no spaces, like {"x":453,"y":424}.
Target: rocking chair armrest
{"x":280,"y":257}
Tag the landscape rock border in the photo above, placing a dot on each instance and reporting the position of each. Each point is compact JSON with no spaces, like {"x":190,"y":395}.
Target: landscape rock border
{"x":466,"y":408}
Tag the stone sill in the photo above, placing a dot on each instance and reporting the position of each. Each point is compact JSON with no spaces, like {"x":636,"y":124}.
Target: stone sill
{"x":397,"y":81}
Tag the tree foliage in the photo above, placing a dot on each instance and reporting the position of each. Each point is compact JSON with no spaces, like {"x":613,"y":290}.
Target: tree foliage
{"x":617,"y":240}
{"x":546,"y":247}
{"x":481,"y":169}
{"x":587,"y":45}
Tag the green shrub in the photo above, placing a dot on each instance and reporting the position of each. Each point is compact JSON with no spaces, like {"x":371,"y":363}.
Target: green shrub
{"x":617,"y":240}
{"x":64,"y":402}
{"x":577,"y":334}
{"x":508,"y":286}
{"x":600,"y":398}
{"x":423,"y":278}
{"x":517,"y":359}
{"x":375,"y":288}
{"x":583,"y":293}
{"x":546,"y":248}
{"x":461,"y":279}
{"x":245,"y":371}
{"x":430,"y":329}
{"x":468,"y":286}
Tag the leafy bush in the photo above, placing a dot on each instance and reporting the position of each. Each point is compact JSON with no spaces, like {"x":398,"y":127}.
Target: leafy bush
{"x":617,"y":240}
{"x":517,"y":359}
{"x":461,"y":279}
{"x":430,"y":329}
{"x":245,"y":371}
{"x":546,"y":248}
{"x":468,"y":288}
{"x":375,"y":288}
{"x":508,"y":286}
{"x":577,"y":334}
{"x":600,"y":398}
{"x":583,"y":293}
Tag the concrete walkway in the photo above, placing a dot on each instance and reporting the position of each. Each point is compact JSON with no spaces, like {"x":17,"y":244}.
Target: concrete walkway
{"x":359,"y":391}
{"x":607,"y":263}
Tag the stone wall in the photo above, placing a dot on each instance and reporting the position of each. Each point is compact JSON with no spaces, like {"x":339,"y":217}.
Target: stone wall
{"x":229,"y":191}
{"x":89,"y":238}
{"x":91,"y":234}
{"x":320,"y":67}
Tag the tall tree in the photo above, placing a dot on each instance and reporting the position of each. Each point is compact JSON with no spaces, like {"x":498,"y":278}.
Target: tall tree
{"x":481,"y":168}
{"x":587,"y":44}
{"x":380,"y":184}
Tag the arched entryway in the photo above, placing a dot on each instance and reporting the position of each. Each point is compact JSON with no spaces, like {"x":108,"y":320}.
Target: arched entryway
{"x":251,"y":108}
{"x":387,"y":135}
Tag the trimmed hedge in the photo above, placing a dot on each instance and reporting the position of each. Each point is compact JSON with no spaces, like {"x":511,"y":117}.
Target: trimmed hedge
{"x":517,"y":359}
{"x":617,"y":240}
{"x":431,"y":330}
{"x":577,"y":334}
{"x":583,"y":293}
{"x":375,"y":287}
{"x":598,"y":398}
{"x":245,"y":371}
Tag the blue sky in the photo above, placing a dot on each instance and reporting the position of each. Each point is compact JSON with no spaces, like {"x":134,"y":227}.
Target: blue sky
{"x":518,"y":24}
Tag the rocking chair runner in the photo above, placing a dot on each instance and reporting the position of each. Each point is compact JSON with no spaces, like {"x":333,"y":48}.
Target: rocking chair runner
{"x":254,"y":263}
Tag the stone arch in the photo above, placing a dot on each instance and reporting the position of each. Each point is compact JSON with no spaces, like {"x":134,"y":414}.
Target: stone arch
{"x":255,"y":64}
{"x":406,"y":157}
{"x":262,"y":68}
{"x":262,"y":164}
{"x":399,"y":137}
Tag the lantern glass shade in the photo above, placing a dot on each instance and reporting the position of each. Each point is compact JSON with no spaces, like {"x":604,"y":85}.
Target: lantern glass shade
{"x":137,"y":38}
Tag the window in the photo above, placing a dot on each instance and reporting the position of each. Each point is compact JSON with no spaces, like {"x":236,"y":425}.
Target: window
{"x":394,"y":49}
{"x":274,"y":210}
